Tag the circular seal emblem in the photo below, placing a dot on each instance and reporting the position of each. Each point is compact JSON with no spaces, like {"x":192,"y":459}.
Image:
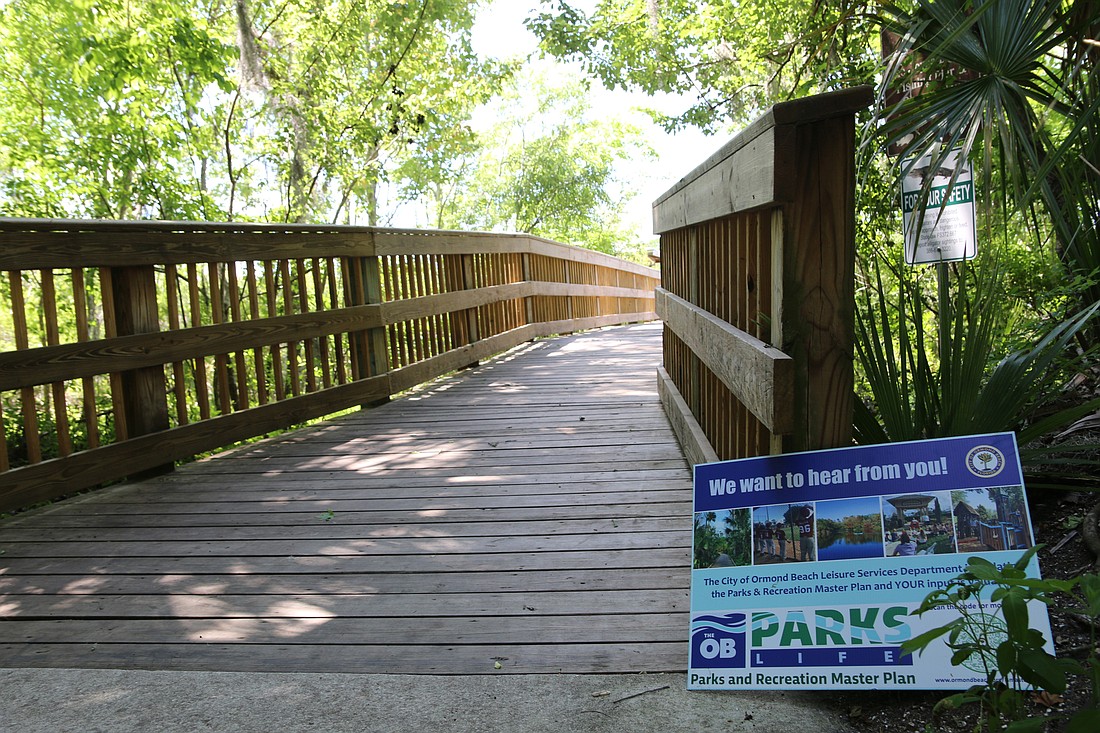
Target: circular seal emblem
{"x":985,"y":461}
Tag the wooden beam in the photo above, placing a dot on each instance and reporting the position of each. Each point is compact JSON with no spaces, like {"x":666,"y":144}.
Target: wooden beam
{"x":86,"y":245}
{"x":749,"y":177}
{"x":410,"y":308}
{"x":759,"y":375}
{"x":693,"y":440}
{"x":86,"y":359}
{"x":755,"y":168}
{"x":30,"y":485}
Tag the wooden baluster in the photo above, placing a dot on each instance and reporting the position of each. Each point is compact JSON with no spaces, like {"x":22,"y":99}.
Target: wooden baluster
{"x":202,"y":386}
{"x":4,"y":462}
{"x":292,"y":347}
{"x":179,"y":386}
{"x":408,"y":327}
{"x":238,"y":356}
{"x":57,"y":389}
{"x":338,"y":339}
{"x":303,"y":307}
{"x":31,"y":437}
{"x":276,"y":349}
{"x":456,"y":320}
{"x":469,"y":282}
{"x":441,"y":330}
{"x":322,"y":341}
{"x":258,"y":352}
{"x":423,"y":325}
{"x":221,"y":362}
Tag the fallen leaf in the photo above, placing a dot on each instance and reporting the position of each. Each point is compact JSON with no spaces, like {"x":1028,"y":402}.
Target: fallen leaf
{"x":1046,"y":699}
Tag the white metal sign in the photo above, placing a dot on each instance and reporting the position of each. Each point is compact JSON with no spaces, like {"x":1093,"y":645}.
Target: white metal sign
{"x":944,"y":230}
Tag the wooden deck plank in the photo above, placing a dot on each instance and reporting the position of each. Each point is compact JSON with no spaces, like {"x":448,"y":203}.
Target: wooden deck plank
{"x":532,"y":512}
{"x":571,"y":629}
{"x":522,"y":658}
{"x":302,"y":584}
{"x":431,"y":605}
{"x":344,"y":530}
{"x":127,"y":519}
{"x":387,"y":546}
{"x":612,"y":560}
{"x":322,"y":502}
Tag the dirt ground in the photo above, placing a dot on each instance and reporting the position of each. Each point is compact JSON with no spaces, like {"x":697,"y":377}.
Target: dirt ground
{"x":1056,"y":517}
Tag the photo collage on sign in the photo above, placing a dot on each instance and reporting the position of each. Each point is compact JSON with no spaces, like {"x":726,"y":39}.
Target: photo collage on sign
{"x":903,"y":525}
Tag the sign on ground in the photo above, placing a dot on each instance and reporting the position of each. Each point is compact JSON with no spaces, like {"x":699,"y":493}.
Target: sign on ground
{"x":807,"y":566}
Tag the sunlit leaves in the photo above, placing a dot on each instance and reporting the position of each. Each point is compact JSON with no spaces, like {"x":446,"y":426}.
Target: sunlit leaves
{"x":548,"y":167}
{"x":728,"y":59}
{"x":212,"y":109}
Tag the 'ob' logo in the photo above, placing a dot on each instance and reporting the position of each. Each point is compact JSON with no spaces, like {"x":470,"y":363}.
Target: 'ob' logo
{"x":718,"y":641}
{"x":723,"y":648}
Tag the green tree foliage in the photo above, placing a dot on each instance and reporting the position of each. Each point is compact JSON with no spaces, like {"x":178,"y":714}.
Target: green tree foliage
{"x":220,"y":109}
{"x":546,"y":167}
{"x":984,"y":346}
{"x":733,"y":58}
{"x":722,"y":533}
{"x":1021,"y":95}
{"x":97,"y":100}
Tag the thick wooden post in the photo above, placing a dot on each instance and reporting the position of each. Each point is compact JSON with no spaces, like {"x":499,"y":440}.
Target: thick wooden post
{"x":469,"y":282}
{"x":142,"y":399}
{"x":371,"y":352}
{"x":819,"y":284}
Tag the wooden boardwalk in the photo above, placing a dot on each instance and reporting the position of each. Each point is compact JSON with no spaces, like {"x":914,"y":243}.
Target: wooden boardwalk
{"x":529,"y":515}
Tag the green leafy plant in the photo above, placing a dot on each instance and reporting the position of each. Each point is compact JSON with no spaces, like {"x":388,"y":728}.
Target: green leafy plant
{"x":1004,"y":647}
{"x":1012,"y":82}
{"x":929,"y":372}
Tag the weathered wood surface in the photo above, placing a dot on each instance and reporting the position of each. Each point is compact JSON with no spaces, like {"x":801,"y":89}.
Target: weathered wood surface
{"x":760,"y":237}
{"x":759,"y":375}
{"x":532,"y":512}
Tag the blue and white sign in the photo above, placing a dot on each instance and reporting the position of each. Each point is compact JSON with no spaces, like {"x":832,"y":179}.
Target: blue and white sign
{"x":807,"y":566}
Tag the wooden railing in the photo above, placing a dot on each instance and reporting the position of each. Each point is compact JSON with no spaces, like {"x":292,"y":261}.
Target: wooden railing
{"x":125,"y":346}
{"x":757,"y":273}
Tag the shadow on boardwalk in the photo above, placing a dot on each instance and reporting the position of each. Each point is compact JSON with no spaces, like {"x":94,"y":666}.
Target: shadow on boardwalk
{"x":529,"y":515}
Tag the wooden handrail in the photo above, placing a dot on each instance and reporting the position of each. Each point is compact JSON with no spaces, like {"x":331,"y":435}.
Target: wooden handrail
{"x":167,"y":339}
{"x":757,"y":267}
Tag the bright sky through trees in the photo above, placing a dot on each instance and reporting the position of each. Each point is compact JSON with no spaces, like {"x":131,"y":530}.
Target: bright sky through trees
{"x":499,"y":32}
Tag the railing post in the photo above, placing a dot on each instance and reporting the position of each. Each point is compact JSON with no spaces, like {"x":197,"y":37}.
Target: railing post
{"x":142,"y":401}
{"x":819,"y":284}
{"x":469,"y":282}
{"x":371,"y":353}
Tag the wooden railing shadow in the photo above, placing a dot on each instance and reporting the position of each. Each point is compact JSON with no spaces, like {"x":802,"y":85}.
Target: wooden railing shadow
{"x":757,"y":286}
{"x":162,"y":340}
